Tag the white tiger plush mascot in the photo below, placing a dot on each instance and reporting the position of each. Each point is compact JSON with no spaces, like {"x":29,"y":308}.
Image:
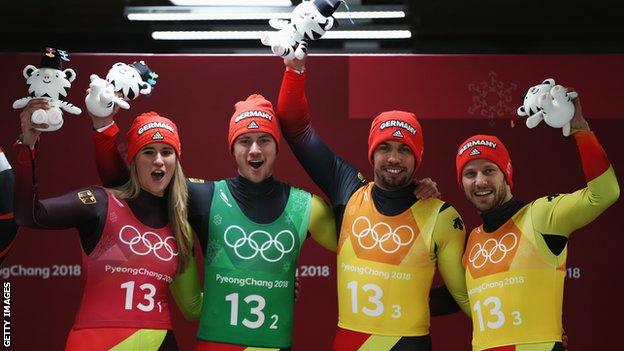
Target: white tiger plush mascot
{"x":549,"y":102}
{"x":308,"y":21}
{"x":529,"y":104}
{"x":102,"y":99}
{"x":132,"y":80}
{"x":558,"y":109}
{"x":123,"y":83}
{"x":51,"y":83}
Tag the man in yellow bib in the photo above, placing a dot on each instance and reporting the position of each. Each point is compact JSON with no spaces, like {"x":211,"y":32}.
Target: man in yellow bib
{"x":516,"y":260}
{"x":390,"y":241}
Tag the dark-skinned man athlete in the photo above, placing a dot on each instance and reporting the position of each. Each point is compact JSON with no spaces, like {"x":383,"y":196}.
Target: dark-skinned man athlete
{"x":390,"y":242}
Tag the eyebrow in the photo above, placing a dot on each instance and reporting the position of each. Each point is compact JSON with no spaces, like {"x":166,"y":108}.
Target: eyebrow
{"x":151,"y":148}
{"x":263,"y":136}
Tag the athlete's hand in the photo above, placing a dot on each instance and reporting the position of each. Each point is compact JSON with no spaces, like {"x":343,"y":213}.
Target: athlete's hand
{"x":564,"y":340}
{"x":29,"y":134}
{"x":426,"y":188}
{"x":295,"y":64}
{"x":578,"y":122}
{"x":100,"y":122}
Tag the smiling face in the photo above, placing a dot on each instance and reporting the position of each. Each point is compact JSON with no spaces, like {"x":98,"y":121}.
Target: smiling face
{"x":393,"y":164}
{"x":155,"y":165}
{"x":485,"y":185}
{"x":255,"y":155}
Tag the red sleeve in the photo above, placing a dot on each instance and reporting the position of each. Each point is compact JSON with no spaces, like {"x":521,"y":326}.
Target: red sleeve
{"x":593,"y":156}
{"x":111,"y":167}
{"x":292,"y":105}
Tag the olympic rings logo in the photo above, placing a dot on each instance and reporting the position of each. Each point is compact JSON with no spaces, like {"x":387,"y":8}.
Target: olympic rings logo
{"x":143,"y":244}
{"x":492,"y":250}
{"x":380,"y":234}
{"x":247,"y":246}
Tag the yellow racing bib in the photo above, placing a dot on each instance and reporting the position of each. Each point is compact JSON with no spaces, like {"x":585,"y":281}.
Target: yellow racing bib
{"x":385,"y":267}
{"x":515,"y":288}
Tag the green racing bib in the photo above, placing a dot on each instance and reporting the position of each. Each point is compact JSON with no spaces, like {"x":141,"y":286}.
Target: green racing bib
{"x":249,"y":272}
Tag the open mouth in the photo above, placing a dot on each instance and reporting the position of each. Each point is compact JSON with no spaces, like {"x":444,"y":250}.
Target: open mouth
{"x":256,"y":163}
{"x":393,"y":170}
{"x":158,"y":175}
{"x":47,"y":81}
{"x":483,"y":193}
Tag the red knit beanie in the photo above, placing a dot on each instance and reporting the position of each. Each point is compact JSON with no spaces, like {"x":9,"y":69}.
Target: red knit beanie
{"x":255,"y":114}
{"x":150,"y":128}
{"x":486,"y":147}
{"x":396,"y":126}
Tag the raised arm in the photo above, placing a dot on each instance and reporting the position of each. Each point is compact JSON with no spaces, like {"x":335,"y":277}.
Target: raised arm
{"x":336,"y":178}
{"x":82,"y":208}
{"x":562,"y":214}
{"x":111,"y":167}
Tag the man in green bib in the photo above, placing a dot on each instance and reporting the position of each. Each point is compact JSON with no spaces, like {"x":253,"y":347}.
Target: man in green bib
{"x":252,"y":228}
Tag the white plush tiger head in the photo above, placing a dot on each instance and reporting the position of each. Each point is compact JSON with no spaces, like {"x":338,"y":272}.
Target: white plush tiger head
{"x":309,"y":21}
{"x":128,"y":80}
{"x":48,"y":82}
{"x":530,"y":104}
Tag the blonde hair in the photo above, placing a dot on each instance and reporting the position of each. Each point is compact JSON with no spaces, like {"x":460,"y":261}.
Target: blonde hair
{"x":177,"y":209}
